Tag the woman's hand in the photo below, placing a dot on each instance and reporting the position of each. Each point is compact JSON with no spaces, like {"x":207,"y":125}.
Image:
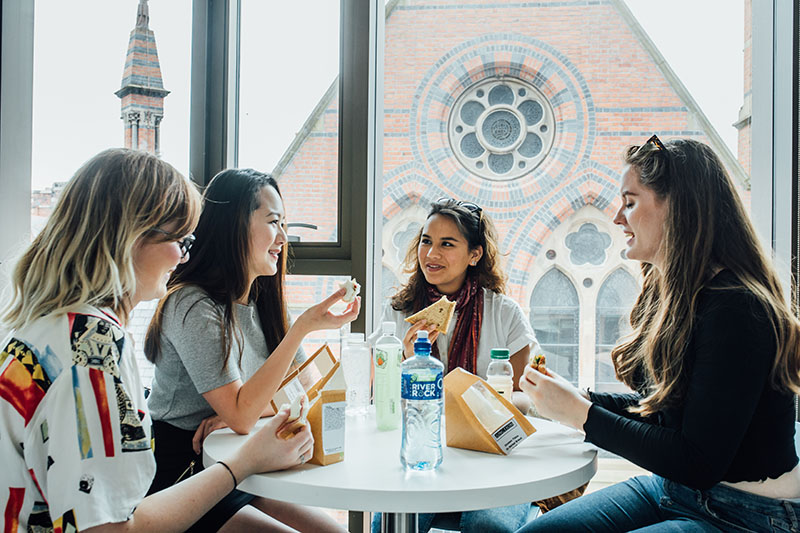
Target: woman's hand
{"x":264,"y":451}
{"x":555,"y":397}
{"x":208,"y":425}
{"x":411,"y":335}
{"x":320,"y":317}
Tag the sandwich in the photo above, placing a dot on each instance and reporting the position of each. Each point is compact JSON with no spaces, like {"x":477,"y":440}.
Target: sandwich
{"x":297,"y":417}
{"x":352,"y":289}
{"x":538,"y":362}
{"x":438,"y":313}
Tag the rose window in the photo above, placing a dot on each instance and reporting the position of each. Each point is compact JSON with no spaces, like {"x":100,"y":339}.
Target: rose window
{"x":501,"y":129}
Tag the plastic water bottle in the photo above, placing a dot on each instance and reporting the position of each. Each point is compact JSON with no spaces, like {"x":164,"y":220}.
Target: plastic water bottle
{"x":356,"y":365}
{"x":422,"y":404}
{"x":388,"y":353}
{"x":500,"y":374}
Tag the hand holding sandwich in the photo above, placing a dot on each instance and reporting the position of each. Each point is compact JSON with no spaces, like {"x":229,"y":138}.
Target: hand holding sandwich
{"x":265,"y":451}
{"x":411,"y":336}
{"x":555,"y":397}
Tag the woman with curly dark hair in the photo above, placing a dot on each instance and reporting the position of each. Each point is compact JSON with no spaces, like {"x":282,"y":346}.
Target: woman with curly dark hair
{"x":456,"y":255}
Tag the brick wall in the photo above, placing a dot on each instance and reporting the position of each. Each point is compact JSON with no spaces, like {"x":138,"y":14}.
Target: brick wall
{"x":603,"y":83}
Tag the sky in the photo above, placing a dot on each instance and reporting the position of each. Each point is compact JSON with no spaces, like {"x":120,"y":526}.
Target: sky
{"x":79,"y":55}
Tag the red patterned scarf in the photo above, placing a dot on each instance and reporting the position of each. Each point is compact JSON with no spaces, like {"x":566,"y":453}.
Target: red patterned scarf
{"x":463,"y":350}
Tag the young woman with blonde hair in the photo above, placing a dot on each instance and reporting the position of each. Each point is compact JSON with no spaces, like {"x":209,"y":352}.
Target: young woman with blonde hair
{"x":713,"y":360}
{"x":74,"y":427}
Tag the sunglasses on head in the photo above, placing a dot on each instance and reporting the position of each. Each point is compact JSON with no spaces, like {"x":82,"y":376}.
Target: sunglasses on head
{"x":184,"y":243}
{"x":469,"y":206}
{"x":653,"y":144}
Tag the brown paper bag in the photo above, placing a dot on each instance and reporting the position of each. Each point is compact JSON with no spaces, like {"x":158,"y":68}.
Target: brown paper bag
{"x":478,"y":418}
{"x":306,"y":378}
{"x":327,"y":419}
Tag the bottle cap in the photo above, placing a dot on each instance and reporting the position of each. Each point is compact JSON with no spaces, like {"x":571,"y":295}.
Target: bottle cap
{"x":389,"y":328}
{"x":499,"y":353}
{"x":356,"y":337}
{"x":422,"y":346}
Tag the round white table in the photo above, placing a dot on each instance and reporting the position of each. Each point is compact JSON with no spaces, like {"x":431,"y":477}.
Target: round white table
{"x":552,"y":461}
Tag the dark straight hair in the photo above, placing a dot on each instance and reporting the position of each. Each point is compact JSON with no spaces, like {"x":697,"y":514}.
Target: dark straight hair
{"x":219,"y":260}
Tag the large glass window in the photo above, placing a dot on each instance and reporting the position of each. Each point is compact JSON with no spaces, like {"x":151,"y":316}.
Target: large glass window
{"x":614,"y":302}
{"x":132,"y":91}
{"x":511,"y":107}
{"x":80,"y":102}
{"x":554,"y":317}
{"x":289,"y":107}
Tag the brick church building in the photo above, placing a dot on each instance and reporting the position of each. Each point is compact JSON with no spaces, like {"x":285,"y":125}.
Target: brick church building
{"x":524,"y":108}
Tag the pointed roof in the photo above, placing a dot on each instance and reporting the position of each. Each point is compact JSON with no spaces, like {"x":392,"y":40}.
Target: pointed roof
{"x":142,"y":74}
{"x":715,"y":140}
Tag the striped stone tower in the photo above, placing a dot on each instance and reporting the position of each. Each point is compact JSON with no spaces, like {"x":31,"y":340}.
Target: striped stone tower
{"x":142,"y":92}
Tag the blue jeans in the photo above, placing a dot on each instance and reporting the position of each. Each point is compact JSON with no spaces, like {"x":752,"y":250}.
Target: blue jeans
{"x":497,"y":520}
{"x":654,"y":504}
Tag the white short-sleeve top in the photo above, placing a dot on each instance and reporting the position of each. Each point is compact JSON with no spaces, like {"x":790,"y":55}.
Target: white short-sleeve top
{"x":504,"y":326}
{"x":74,"y":427}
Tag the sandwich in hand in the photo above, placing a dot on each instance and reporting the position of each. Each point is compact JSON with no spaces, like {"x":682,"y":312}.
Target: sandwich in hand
{"x":537,"y":362}
{"x":352,"y":289}
{"x":438,"y":314}
{"x":297,"y":417}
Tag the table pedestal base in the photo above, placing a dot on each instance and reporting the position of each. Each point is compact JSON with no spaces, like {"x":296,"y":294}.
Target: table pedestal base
{"x":399,"y":523}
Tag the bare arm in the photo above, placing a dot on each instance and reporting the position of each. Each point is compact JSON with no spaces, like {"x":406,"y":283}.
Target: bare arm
{"x":240,"y":405}
{"x":177,"y":508}
{"x":519,"y":361}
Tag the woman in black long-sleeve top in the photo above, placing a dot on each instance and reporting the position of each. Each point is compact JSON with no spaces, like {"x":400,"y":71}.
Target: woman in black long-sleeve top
{"x":714,"y":360}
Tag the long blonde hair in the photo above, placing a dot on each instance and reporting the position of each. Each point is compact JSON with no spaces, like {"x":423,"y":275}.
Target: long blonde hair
{"x":84,"y":253}
{"x":706,"y":229}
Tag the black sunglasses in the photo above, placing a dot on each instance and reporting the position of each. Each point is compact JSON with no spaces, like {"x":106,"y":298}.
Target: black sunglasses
{"x":185,"y":243}
{"x":469,"y":206}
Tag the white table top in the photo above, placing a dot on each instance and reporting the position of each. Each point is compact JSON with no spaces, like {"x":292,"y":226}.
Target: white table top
{"x":552,"y":461}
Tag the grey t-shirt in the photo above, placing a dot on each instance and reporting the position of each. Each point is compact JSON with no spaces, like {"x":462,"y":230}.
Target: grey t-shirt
{"x":191,"y":361}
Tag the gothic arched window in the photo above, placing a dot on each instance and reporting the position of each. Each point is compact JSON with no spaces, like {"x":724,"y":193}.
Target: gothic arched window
{"x":614,"y":302}
{"x":554,"y":317}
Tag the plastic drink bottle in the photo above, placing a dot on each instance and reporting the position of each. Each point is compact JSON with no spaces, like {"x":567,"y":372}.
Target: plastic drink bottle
{"x":500,"y":374}
{"x":388,"y":354}
{"x":355,"y":361}
{"x":422,"y":403}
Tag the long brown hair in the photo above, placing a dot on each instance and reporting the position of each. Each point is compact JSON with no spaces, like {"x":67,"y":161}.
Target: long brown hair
{"x":84,"y":253}
{"x":219,"y":259}
{"x":478,"y":229}
{"x":706,"y":229}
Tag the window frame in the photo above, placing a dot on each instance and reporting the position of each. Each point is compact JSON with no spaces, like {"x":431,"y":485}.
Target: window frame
{"x":214,"y":134}
{"x":16,"y":125}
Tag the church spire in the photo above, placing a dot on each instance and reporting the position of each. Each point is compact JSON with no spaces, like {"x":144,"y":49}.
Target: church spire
{"x":142,"y":91}
{"x":143,"y":15}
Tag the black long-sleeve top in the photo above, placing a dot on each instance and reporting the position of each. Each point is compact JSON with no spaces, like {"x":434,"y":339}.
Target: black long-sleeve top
{"x":731,"y":424}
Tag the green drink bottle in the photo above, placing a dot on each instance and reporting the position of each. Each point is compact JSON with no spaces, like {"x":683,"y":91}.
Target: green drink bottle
{"x":388,"y":353}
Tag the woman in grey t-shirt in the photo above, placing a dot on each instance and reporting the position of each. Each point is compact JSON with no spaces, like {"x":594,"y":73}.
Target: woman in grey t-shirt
{"x":222,"y":342}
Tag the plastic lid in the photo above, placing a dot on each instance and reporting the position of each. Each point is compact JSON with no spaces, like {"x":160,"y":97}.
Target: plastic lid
{"x":499,"y":353}
{"x":422,"y":346}
{"x":356,"y":337}
{"x":389,"y":328}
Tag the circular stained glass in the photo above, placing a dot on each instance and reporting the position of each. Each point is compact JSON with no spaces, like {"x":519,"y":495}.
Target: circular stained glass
{"x":501,"y":128}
